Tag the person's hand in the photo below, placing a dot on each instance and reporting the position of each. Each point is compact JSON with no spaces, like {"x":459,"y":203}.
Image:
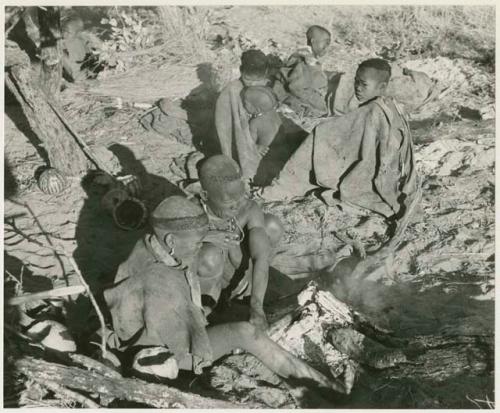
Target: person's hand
{"x":131,"y":183}
{"x":263,"y":150}
{"x":258,"y":319}
{"x":222,"y":239}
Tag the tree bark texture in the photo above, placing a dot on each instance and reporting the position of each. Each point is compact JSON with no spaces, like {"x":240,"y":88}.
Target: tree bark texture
{"x":62,"y":150}
{"x":51,"y":50}
{"x":134,"y":390}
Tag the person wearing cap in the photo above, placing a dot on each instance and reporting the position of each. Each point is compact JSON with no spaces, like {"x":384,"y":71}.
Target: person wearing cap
{"x":231,"y":119}
{"x":156,"y":308}
{"x":157,"y":278}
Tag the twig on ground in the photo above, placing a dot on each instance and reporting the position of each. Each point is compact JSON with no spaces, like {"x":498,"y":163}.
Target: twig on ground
{"x":73,"y":263}
{"x":473,"y":401}
{"x":43,"y":295}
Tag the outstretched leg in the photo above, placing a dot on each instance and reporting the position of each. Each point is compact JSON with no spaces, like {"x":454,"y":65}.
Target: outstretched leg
{"x":225,"y":338}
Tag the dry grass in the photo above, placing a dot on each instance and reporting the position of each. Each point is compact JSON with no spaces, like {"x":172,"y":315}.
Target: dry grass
{"x":455,"y":31}
{"x":185,"y":31}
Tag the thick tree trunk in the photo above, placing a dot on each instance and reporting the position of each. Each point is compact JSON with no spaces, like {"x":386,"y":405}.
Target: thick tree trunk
{"x":49,"y":19}
{"x":63,"y":152}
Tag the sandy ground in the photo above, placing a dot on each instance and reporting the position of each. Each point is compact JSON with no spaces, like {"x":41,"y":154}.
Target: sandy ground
{"x":442,"y":278}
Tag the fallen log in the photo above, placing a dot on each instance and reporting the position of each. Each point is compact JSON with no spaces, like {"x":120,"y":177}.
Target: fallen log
{"x":332,"y":336}
{"x":90,"y":382}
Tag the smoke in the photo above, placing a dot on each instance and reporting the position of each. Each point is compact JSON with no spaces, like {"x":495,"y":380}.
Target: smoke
{"x":364,"y":295}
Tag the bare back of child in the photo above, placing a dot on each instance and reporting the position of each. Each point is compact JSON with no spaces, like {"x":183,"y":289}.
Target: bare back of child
{"x":265,"y":122}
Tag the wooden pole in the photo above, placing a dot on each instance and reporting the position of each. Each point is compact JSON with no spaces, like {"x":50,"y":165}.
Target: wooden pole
{"x":43,"y":295}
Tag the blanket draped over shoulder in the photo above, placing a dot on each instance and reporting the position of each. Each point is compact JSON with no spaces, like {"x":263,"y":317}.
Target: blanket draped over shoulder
{"x":231,"y":122}
{"x":366,"y":155}
{"x":152,"y":304}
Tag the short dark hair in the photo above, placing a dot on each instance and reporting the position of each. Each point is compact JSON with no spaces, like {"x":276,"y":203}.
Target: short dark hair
{"x":377,"y":64}
{"x":254,"y":63}
{"x":316,"y":30}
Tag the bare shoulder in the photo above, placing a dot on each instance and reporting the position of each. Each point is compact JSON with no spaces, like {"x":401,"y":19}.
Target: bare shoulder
{"x":252,"y":215}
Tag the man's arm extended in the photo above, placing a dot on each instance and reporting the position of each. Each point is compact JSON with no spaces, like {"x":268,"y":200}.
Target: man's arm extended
{"x":260,"y":248}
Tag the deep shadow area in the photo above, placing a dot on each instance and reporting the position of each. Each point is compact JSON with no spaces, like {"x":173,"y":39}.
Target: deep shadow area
{"x":281,"y":149}
{"x":102,"y":246}
{"x":19,"y":34}
{"x":16,"y":276}
{"x":10,"y":184}
{"x":199,"y":105}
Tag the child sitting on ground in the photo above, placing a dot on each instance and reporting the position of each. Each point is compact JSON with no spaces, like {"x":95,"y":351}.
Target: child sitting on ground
{"x":301,"y":83}
{"x":231,"y":120}
{"x":365,"y":157}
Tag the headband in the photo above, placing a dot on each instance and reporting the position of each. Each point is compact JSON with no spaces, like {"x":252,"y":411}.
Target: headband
{"x":180,"y":224}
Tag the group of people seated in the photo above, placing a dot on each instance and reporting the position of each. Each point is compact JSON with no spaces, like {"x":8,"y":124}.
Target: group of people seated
{"x":217,"y":246}
{"x":201,"y":252}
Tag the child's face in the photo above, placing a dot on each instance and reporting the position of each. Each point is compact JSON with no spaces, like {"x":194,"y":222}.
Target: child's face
{"x":320,"y":45}
{"x":227,"y":202}
{"x":367,"y":84}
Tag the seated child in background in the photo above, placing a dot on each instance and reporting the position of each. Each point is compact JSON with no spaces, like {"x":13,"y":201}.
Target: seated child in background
{"x":301,"y":83}
{"x":365,"y":157}
{"x":231,"y":120}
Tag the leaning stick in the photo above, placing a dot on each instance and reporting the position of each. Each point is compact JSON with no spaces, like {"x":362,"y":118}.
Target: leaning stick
{"x":86,"y":150}
{"x":43,"y":295}
{"x":73,"y":263}
{"x":94,"y":303}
